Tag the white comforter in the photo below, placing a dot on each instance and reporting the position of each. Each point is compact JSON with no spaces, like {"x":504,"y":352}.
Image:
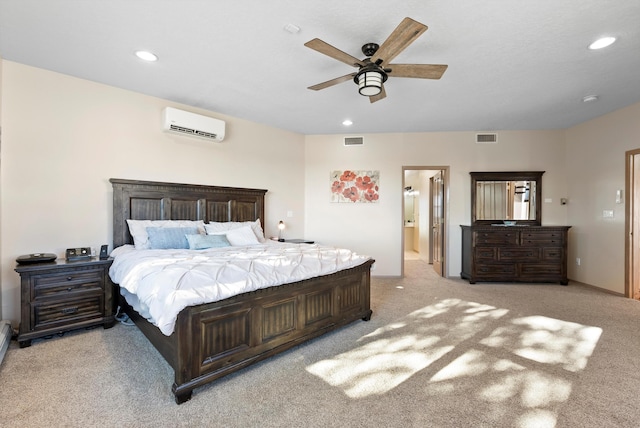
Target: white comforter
{"x":160,"y":283}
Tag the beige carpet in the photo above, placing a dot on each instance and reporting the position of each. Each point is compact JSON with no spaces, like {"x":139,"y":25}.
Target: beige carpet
{"x":436,"y":353}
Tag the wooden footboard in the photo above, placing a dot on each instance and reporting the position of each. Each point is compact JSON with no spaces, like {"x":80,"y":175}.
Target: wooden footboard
{"x":213,"y":340}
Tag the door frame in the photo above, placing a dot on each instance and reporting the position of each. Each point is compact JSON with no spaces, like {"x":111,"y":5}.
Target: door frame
{"x":445,"y":235}
{"x":631,"y":224}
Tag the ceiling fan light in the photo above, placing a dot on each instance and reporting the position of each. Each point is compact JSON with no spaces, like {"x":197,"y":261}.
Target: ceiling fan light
{"x":370,"y":83}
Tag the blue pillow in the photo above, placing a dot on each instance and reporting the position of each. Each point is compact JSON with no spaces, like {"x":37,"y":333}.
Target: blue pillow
{"x":163,"y":238}
{"x":202,"y":242}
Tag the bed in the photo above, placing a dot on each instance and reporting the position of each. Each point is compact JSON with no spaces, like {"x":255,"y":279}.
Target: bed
{"x":215,"y":339}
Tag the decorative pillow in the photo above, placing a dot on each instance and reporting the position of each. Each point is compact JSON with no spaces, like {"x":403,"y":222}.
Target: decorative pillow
{"x":201,"y":242}
{"x":138,"y":229}
{"x":163,"y":238}
{"x":215,"y":227}
{"x":242,"y":236}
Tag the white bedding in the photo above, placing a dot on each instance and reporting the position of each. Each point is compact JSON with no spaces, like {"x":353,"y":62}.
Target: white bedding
{"x":160,"y":283}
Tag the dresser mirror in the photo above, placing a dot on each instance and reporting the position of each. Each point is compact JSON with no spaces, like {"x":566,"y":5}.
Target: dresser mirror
{"x":497,"y":197}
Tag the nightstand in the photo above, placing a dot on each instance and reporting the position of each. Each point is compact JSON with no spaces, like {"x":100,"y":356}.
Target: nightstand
{"x":299,"y":241}
{"x":60,"y":296}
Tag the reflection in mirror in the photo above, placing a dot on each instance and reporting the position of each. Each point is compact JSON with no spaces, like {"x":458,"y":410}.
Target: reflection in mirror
{"x":512,"y":196}
{"x":409,"y":206}
{"x":505,"y":200}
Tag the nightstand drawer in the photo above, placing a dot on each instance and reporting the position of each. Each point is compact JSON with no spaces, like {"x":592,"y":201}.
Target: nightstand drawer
{"x":64,"y":311}
{"x":50,"y":285}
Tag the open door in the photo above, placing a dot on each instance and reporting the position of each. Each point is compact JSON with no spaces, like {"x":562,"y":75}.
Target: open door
{"x":438,"y":222}
{"x":632,"y":224}
{"x":433,"y":190}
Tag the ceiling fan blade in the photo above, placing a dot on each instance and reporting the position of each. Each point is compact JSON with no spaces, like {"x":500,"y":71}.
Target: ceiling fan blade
{"x":378,"y":97}
{"x":402,"y":36}
{"x":332,"y":82}
{"x":335,"y":53}
{"x":421,"y":71}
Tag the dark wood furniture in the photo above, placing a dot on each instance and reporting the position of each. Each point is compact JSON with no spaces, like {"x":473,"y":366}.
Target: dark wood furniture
{"x":219,"y":338}
{"x":514,"y":253}
{"x":299,"y":241}
{"x":60,"y":296}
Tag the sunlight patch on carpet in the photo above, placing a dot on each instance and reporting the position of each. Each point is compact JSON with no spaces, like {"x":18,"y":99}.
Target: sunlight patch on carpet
{"x":547,"y":340}
{"x":403,"y":348}
{"x":379,"y":366}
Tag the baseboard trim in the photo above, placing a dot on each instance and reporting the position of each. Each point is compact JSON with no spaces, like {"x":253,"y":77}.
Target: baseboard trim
{"x":593,"y":287}
{"x":5,"y":337}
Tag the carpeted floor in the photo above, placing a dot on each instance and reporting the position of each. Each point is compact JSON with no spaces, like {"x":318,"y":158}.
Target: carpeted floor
{"x":436,"y":353}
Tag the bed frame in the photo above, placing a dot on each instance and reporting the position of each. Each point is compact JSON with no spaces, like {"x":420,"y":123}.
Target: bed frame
{"x":216,"y":339}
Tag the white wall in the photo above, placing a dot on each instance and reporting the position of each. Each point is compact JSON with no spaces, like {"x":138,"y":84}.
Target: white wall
{"x":63,"y":138}
{"x":595,"y":170}
{"x":376,"y":229}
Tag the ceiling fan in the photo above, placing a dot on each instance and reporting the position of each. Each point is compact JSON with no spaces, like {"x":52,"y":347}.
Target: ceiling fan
{"x":374,"y":70}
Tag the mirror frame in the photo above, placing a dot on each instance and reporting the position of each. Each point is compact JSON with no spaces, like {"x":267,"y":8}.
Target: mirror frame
{"x":507,"y":176}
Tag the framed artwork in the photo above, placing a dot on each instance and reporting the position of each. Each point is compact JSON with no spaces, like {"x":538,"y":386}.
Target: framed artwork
{"x":354,"y":186}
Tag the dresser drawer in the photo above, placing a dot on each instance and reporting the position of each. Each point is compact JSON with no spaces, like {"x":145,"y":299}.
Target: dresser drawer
{"x":553,"y":254}
{"x":542,"y":238}
{"x":519,"y":254}
{"x":495,"y":270}
{"x":50,"y":285}
{"x":507,"y":237}
{"x":540,"y":270}
{"x":486,"y":253}
{"x":62,"y":312}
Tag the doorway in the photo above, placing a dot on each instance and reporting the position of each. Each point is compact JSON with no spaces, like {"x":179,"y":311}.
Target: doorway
{"x":425,"y":216}
{"x":632,"y":224}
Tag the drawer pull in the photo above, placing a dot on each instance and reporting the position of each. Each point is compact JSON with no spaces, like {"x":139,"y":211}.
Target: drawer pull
{"x":69,"y":278}
{"x":71,"y":310}
{"x":69,"y":288}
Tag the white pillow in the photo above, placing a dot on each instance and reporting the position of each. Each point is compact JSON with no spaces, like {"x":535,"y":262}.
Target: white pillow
{"x":138,"y":229}
{"x":216,"y":227}
{"x":241,"y":237}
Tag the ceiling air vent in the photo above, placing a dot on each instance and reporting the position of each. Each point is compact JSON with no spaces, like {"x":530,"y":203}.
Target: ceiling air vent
{"x":486,"y":138}
{"x":353,"y":141}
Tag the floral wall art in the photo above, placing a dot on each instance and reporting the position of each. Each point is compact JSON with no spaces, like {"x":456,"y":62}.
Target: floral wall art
{"x":354,"y":186}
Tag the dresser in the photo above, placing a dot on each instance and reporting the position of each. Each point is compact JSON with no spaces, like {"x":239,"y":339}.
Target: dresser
{"x":496,"y":253}
{"x":60,"y":296}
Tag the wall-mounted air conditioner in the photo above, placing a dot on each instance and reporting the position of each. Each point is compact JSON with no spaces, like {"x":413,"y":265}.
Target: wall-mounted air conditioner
{"x":187,"y":123}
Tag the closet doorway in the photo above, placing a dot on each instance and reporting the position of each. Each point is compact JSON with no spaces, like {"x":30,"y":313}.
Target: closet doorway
{"x":425,"y":193}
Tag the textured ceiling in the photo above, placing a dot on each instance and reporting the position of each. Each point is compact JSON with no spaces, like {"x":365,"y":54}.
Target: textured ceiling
{"x":512,"y":64}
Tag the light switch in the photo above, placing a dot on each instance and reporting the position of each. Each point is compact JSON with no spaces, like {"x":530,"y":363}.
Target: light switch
{"x":289,"y":213}
{"x":607,"y":213}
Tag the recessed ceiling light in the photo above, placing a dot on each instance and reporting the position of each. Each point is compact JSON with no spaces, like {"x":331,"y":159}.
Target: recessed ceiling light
{"x":590,"y":98}
{"x":602,"y":43}
{"x":146,"y":56}
{"x":347,"y":122}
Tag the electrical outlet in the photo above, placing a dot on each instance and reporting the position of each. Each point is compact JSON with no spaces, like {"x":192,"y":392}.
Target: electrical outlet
{"x":578,"y":261}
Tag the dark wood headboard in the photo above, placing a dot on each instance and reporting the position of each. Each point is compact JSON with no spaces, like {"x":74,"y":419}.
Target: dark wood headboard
{"x":149,"y":200}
